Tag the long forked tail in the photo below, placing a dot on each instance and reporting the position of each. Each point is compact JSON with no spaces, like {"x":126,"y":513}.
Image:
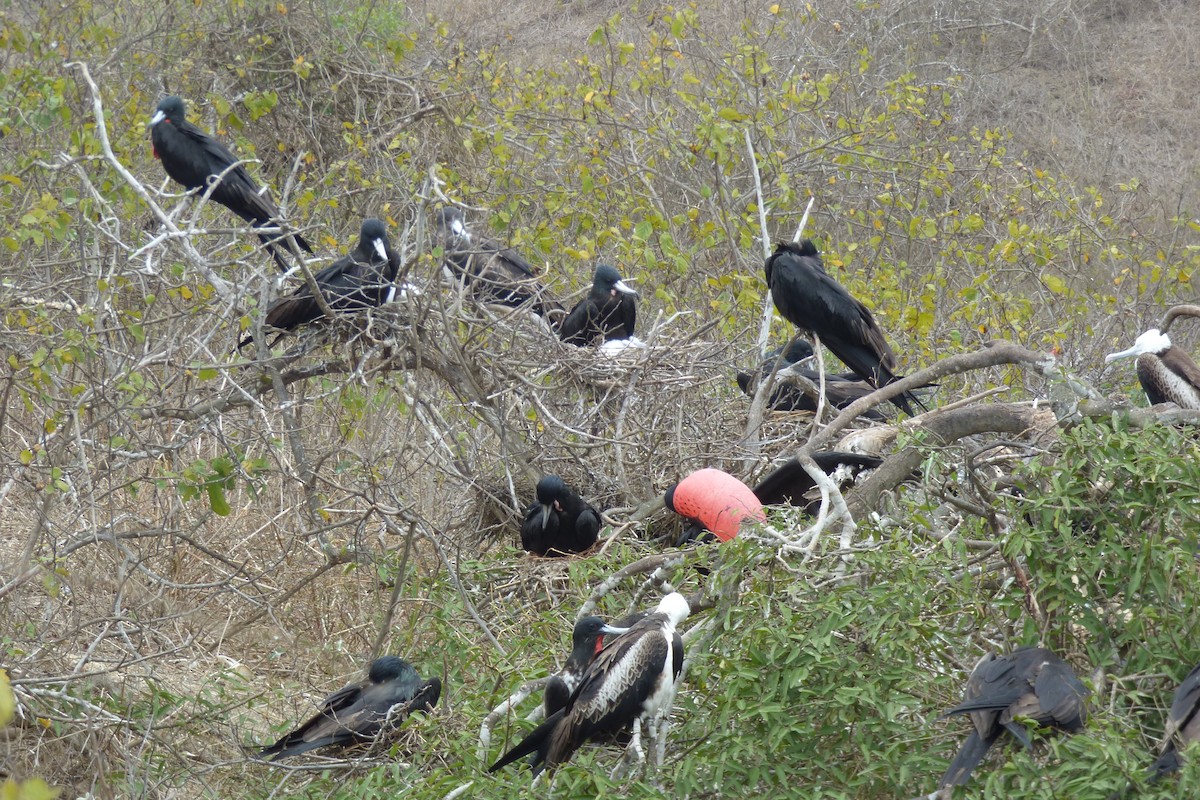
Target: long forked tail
{"x":969,"y":756}
{"x":537,"y":742}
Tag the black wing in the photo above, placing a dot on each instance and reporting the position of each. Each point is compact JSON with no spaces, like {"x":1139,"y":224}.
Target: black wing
{"x":789,"y":483}
{"x":579,"y":327}
{"x":535,"y":537}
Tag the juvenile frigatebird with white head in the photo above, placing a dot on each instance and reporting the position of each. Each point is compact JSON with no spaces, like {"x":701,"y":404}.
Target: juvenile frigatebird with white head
{"x":560,"y":522}
{"x":810,"y":299}
{"x":491,"y":271}
{"x":608,"y":311}
{"x":1166,"y":372}
{"x":363,"y":279}
{"x":631,"y":681}
{"x":192,"y":158}
{"x":357,"y":713}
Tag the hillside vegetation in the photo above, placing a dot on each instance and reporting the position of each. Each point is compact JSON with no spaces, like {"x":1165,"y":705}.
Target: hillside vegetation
{"x":197,"y":544}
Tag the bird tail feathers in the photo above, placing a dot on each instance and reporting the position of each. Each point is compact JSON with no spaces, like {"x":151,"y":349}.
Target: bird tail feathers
{"x":537,"y":742}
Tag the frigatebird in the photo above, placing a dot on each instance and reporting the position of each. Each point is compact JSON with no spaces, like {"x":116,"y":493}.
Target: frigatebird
{"x":1167,"y":373}
{"x":1028,"y":683}
{"x":632,"y":680}
{"x":609,"y":310}
{"x":840,"y":389}
{"x":701,"y":499}
{"x":193,"y":158}
{"x":587,"y":640}
{"x":814,"y":302}
{"x":495,"y":273}
{"x":713,"y":500}
{"x":560,"y":522}
{"x":1183,"y":726}
{"x":356,"y":713}
{"x":363,"y":279}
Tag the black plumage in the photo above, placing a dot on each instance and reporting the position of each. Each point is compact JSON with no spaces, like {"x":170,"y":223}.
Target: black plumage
{"x":192,"y":158}
{"x":609,"y":310}
{"x":814,"y":302}
{"x":840,"y":389}
{"x":363,"y":279}
{"x":1030,"y":683}
{"x":356,"y":713}
{"x":587,"y":639}
{"x":494,"y":273}
{"x":1183,"y":726}
{"x":630,"y":681}
{"x":560,"y":522}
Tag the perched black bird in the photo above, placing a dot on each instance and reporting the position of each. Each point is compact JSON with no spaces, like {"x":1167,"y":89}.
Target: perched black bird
{"x":1030,"y":683}
{"x":609,"y":310}
{"x":363,"y":279}
{"x":1183,"y":726}
{"x":631,"y":680}
{"x":840,"y":390}
{"x":587,"y":639}
{"x":560,"y":522}
{"x":814,"y":302}
{"x":192,"y":158}
{"x":494,"y":273}
{"x":356,"y":713}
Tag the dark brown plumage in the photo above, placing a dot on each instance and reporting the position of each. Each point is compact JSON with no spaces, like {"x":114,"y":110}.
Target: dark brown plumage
{"x":1030,"y":683}
{"x":356,"y":713}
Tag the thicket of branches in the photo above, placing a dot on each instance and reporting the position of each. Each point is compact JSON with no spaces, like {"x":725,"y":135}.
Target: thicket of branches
{"x":198,"y":544}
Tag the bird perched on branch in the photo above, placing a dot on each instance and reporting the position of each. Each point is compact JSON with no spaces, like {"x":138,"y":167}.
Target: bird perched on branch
{"x":631,"y":681}
{"x":560,"y":522}
{"x":840,"y":390}
{"x":1030,"y":683}
{"x":193,"y":159}
{"x":587,"y":640}
{"x":814,"y":302}
{"x":609,"y":310}
{"x":356,"y":713}
{"x":363,"y":279}
{"x":491,"y":271}
{"x":1167,"y":373}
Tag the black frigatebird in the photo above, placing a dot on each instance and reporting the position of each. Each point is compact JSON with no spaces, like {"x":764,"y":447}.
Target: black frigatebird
{"x":1167,"y":373}
{"x":560,"y":522}
{"x":356,"y":713}
{"x":700,"y":500}
{"x":814,"y":302}
{"x":587,"y":640}
{"x":840,"y":390}
{"x":1030,"y":683}
{"x":363,"y":279}
{"x":609,"y":310}
{"x":713,"y":500}
{"x":192,"y":158}
{"x":1183,"y":726}
{"x":493,"y":272}
{"x":632,"y":680}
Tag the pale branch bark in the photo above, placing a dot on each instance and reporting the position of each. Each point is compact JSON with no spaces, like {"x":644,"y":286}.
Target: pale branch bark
{"x":938,"y":429}
{"x":198,"y":262}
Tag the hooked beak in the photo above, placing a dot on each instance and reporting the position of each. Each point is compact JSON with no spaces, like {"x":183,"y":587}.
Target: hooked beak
{"x":457,"y":227}
{"x":1111,"y":357}
{"x":379,"y":248}
{"x":158,"y":117}
{"x":624,"y":288}
{"x":545,"y":515}
{"x":609,"y":630}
